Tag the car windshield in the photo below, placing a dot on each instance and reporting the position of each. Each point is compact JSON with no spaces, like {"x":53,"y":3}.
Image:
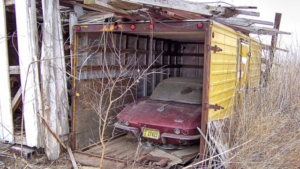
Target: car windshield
{"x":184,"y":90}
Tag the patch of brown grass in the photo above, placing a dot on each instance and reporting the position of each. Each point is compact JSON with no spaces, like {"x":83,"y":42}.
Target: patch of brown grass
{"x":269,"y":120}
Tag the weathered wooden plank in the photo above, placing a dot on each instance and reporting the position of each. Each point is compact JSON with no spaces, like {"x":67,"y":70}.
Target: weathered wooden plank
{"x":28,"y":55}
{"x":268,"y":47}
{"x":250,"y":13}
{"x":187,"y":6}
{"x":104,"y":6}
{"x":227,"y":12}
{"x":124,"y":5}
{"x":260,"y":30}
{"x":82,"y":5}
{"x":6,"y":126}
{"x":95,"y":161}
{"x":183,"y":14}
{"x":16,"y":100}
{"x":95,"y":17}
{"x":241,"y":21}
{"x":274,"y":37}
{"x":243,"y":7}
{"x":53,"y":75}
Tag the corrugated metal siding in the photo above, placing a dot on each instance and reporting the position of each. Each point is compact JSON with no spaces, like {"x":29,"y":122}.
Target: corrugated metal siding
{"x":223,"y":73}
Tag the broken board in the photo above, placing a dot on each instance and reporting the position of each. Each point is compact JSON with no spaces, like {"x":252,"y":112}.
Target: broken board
{"x":128,"y":149}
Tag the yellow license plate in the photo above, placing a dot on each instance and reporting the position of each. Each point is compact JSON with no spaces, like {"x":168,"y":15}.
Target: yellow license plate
{"x":150,"y":133}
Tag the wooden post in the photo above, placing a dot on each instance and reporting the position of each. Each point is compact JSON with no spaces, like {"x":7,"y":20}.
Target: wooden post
{"x":6,"y":126}
{"x":53,"y":76}
{"x":73,"y":20}
{"x":28,"y":50}
{"x":274,"y":38}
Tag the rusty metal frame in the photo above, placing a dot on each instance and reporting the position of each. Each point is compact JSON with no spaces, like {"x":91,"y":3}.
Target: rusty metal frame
{"x":176,"y":26}
{"x":182,"y":26}
{"x":73,"y":90}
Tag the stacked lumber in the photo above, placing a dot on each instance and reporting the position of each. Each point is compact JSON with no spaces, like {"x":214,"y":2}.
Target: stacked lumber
{"x":161,"y":10}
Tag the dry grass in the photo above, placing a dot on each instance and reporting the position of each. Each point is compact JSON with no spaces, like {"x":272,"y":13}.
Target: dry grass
{"x":269,"y":120}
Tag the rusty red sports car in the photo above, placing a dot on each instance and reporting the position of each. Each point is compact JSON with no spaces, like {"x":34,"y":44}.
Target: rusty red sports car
{"x":170,"y":115}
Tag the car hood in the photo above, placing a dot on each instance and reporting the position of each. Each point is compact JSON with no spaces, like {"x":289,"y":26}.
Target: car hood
{"x":174,"y":115}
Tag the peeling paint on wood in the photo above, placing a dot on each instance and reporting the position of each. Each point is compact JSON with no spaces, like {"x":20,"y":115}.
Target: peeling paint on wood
{"x":6,"y":126}
{"x":54,"y":91}
{"x":28,"y":55}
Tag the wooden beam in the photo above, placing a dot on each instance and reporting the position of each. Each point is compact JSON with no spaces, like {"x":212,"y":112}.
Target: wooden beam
{"x":250,"y":13}
{"x":267,"y":47}
{"x":28,"y":50}
{"x":260,"y":30}
{"x":16,"y":100}
{"x":190,"y":7}
{"x":6,"y":117}
{"x":53,"y":78}
{"x":14,"y":70}
{"x":82,"y":5}
{"x":104,"y":6}
{"x":241,"y":21}
{"x":230,"y":11}
{"x":243,"y":7}
{"x":124,"y":5}
{"x":183,"y":14}
{"x":95,"y":17}
{"x":274,"y":37}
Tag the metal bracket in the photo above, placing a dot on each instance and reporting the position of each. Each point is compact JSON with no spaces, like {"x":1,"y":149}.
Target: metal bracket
{"x":215,"y":107}
{"x":249,"y":54}
{"x":214,"y":48}
{"x":72,"y":92}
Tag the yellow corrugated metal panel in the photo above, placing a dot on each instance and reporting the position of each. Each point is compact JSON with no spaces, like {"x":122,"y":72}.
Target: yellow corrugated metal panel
{"x":255,"y":64}
{"x":223,"y":68}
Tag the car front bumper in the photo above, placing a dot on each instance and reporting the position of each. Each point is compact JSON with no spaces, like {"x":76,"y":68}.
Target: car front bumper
{"x":163,"y":135}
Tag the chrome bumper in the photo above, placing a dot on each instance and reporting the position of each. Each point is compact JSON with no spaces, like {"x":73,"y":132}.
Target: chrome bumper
{"x":163,"y":136}
{"x":180,"y":137}
{"x":132,"y":129}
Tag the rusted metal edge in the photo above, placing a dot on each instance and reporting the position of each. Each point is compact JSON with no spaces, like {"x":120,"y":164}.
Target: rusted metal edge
{"x":205,"y":97}
{"x":99,"y":156}
{"x":179,"y":26}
